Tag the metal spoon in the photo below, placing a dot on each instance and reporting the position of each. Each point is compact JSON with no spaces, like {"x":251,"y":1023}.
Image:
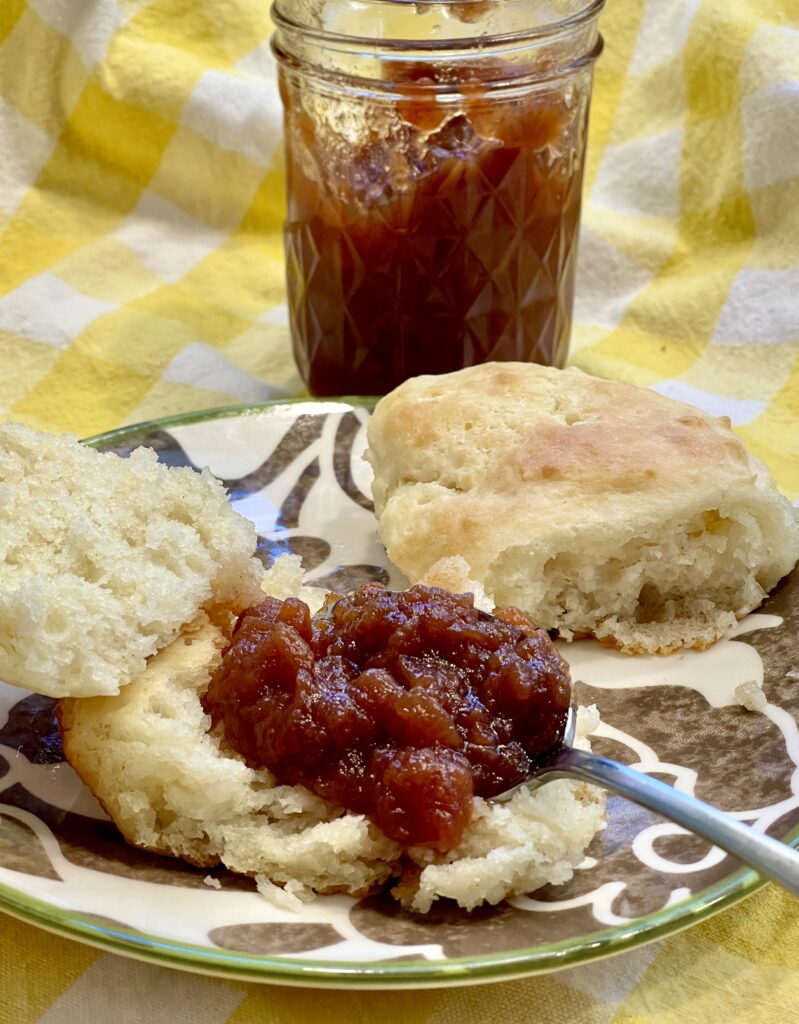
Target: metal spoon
{"x":768,"y":856}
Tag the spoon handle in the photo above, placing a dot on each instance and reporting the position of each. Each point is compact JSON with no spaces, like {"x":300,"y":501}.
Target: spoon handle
{"x":768,"y":856}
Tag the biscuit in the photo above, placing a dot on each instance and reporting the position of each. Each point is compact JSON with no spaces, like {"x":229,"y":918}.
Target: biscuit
{"x":103,"y":559}
{"x":597,"y":507}
{"x":174,"y":788}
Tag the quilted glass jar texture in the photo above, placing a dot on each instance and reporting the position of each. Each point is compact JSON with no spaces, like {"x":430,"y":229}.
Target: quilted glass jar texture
{"x":434,"y":173}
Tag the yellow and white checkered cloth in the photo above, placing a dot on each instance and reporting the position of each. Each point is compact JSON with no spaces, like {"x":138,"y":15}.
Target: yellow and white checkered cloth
{"x":141,"y":274}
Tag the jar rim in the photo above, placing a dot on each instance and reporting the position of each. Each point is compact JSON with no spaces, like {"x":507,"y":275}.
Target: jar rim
{"x":368,"y":86}
{"x":560,"y":26}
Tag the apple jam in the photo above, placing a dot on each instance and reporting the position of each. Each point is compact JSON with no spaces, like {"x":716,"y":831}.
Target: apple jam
{"x":442,"y":238}
{"x":398,"y":706}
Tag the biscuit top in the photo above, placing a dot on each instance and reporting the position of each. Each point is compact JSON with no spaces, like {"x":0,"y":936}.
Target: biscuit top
{"x":496,"y":451}
{"x":103,"y":559}
{"x":511,"y":424}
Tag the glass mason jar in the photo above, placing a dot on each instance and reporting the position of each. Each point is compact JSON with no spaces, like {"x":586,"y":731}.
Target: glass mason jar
{"x":434,"y":173}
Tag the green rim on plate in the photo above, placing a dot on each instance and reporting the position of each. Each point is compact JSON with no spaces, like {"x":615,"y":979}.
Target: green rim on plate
{"x":409,"y":973}
{"x":222,"y":412}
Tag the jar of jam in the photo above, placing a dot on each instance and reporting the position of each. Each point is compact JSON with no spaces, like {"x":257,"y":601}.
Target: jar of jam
{"x":434,"y":171}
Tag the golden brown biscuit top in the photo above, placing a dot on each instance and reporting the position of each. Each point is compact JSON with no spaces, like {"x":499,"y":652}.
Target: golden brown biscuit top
{"x":504,"y":426}
{"x":475,"y":462}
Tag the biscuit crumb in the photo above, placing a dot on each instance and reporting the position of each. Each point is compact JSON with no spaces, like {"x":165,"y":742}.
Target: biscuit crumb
{"x":750,"y":696}
{"x":289,"y":896}
{"x":211,"y":882}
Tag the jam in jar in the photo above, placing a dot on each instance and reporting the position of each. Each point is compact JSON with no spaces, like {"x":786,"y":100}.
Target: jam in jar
{"x":398,"y":706}
{"x":434,"y":172}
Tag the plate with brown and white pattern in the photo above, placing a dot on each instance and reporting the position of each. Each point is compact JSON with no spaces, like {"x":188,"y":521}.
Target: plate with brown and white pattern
{"x":296,"y":469}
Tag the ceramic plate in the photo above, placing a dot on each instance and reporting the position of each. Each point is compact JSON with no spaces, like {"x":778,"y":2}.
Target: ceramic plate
{"x":296,"y":470}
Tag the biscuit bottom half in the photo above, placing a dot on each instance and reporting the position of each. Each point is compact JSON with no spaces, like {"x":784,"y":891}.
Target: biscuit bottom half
{"x":175,"y":788}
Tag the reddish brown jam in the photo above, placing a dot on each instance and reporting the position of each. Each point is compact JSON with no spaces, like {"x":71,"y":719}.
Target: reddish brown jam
{"x":445,"y":237}
{"x":399,"y":706}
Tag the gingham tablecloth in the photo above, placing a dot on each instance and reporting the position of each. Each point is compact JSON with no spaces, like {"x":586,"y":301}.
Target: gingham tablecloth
{"x":141,"y":274}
